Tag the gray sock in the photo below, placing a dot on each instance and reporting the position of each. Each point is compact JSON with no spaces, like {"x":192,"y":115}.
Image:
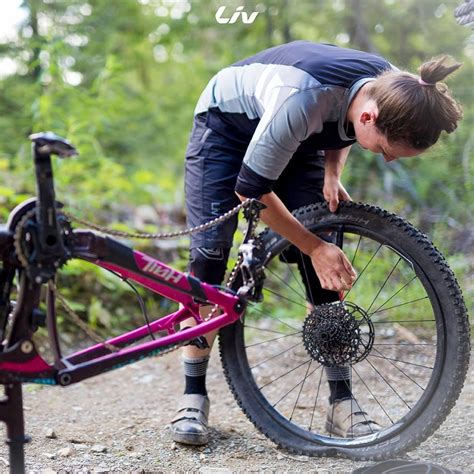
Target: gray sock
{"x":339,"y":379}
{"x":195,"y":375}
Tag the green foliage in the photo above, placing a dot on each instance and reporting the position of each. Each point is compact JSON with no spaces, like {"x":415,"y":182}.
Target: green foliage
{"x":121,"y":81}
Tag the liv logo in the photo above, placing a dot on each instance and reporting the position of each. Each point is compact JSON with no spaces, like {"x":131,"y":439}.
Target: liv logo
{"x":235,"y":16}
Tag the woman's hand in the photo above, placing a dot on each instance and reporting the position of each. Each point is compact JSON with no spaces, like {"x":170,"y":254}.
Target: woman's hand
{"x":334,"y":192}
{"x":333,"y":268}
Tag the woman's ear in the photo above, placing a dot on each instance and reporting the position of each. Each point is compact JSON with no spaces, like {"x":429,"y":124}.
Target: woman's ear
{"x":370,"y":114}
{"x":365,"y":118}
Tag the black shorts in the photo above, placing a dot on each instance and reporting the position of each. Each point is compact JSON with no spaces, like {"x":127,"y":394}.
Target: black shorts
{"x":212,"y":165}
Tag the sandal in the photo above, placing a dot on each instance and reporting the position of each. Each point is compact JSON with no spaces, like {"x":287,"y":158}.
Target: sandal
{"x":189,"y":426}
{"x":345,"y":418}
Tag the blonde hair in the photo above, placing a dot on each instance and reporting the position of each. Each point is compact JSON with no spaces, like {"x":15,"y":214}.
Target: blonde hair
{"x":414,"y":110}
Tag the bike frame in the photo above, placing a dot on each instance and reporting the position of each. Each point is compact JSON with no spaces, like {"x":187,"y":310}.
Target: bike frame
{"x":110,"y":254}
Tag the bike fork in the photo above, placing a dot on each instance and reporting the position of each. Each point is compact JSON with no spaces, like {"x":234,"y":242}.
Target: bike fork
{"x":11,"y":413}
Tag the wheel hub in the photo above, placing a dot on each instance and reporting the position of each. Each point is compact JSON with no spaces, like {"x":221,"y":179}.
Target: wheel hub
{"x":336,"y":334}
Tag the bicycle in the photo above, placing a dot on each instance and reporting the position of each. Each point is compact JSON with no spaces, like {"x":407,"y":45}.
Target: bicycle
{"x":402,"y":328}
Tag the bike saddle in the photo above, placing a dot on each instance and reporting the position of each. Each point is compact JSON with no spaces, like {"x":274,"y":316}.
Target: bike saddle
{"x":50,"y":143}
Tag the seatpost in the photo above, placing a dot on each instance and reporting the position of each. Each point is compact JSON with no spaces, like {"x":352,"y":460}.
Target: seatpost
{"x":46,"y":209}
{"x":49,"y":246}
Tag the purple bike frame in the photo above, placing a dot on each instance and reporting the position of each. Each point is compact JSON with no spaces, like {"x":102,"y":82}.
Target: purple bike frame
{"x":150,"y":273}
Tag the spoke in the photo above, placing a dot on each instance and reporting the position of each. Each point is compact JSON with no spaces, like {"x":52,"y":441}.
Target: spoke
{"x":353,"y":260}
{"x":383,"y":378}
{"x":401,"y":361}
{"x":414,"y":321}
{"x":363,"y":270}
{"x":301,"y":388}
{"x":258,"y":310}
{"x":266,"y":330}
{"x":285,"y":298}
{"x":384,"y":283}
{"x":398,"y":305}
{"x":356,"y":250}
{"x":299,"y":383}
{"x":399,"y":369}
{"x":332,"y":418}
{"x":276,"y":355}
{"x":285,"y":374}
{"x":393,"y":296}
{"x":402,"y":344}
{"x":373,"y":396}
{"x":307,"y":280}
{"x":271,"y":340}
{"x":298,"y":280}
{"x":365,"y":341}
{"x":352,"y":413}
{"x":286,"y":283}
{"x":315,"y":401}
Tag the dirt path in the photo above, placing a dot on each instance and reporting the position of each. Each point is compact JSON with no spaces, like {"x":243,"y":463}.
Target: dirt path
{"x":118,"y":422}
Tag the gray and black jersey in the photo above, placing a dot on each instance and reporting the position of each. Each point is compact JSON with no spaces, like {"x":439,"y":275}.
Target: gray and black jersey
{"x":287,"y":99}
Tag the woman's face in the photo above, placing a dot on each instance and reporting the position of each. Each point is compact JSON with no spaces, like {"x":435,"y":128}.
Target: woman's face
{"x":369,"y":138}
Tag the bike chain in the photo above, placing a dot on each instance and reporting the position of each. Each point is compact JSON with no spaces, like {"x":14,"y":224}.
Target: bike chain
{"x":165,"y":235}
{"x":77,"y":320}
{"x":138,"y":235}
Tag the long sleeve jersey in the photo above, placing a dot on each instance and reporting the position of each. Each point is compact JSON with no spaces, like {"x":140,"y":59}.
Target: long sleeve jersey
{"x":287,"y":99}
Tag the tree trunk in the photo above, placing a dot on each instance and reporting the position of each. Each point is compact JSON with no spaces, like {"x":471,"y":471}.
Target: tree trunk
{"x":357,"y":27}
{"x":36,"y":40}
{"x":286,"y":24}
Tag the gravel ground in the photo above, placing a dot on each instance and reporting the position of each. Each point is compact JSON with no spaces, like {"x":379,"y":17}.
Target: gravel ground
{"x":118,"y":422}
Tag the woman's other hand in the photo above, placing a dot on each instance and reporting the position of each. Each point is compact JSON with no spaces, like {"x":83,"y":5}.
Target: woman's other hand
{"x":333,"y":268}
{"x":334,"y":192}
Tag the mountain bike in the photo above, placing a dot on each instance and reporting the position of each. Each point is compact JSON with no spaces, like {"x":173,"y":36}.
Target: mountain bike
{"x":402,"y":328}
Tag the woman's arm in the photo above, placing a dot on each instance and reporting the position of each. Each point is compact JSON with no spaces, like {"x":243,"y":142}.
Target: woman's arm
{"x":332,"y":267}
{"x":333,"y":190}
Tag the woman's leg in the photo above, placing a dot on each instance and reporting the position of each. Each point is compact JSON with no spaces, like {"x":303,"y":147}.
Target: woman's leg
{"x":212,"y":166}
{"x":189,"y":426}
{"x":302,"y":184}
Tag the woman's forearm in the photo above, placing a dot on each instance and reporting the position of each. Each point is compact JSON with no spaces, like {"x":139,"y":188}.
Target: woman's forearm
{"x":279,"y":219}
{"x":335,"y":161}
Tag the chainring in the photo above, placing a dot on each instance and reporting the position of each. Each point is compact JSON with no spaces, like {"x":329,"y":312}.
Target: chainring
{"x":22,"y":236}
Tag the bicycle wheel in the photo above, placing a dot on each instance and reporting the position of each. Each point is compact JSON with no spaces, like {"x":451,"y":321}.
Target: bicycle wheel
{"x":407,"y":344}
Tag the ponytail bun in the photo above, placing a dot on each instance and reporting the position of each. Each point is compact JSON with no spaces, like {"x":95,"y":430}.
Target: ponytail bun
{"x":438,"y":68}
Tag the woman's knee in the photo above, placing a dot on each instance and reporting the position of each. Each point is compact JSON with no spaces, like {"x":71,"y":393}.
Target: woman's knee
{"x":209,"y":263}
